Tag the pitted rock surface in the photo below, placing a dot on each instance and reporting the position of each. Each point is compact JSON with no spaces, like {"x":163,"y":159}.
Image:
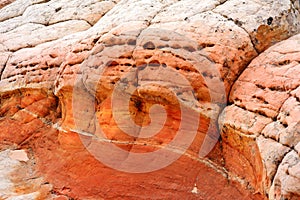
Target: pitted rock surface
{"x":265,"y":113}
{"x":45,"y":45}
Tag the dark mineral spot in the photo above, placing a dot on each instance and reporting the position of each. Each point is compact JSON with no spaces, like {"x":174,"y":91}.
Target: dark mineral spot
{"x":142,"y":66}
{"x":112,"y":63}
{"x":154,"y":63}
{"x":132,"y":42}
{"x":138,"y":104}
{"x":149,"y":46}
{"x":269,"y":20}
{"x":204,"y":45}
{"x":57,"y":9}
{"x":148,"y":56}
{"x":284,"y":62}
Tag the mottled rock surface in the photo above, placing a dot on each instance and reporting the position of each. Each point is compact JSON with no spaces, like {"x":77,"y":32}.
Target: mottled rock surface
{"x":5,"y":2}
{"x":65,"y":66}
{"x":19,"y":178}
{"x":264,"y":119}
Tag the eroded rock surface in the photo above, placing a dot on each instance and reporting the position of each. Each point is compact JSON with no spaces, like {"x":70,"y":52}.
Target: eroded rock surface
{"x":59,"y":57}
{"x":19,"y":178}
{"x":264,"y":119}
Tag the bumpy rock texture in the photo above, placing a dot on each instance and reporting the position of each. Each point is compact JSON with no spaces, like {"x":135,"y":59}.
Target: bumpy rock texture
{"x":58,"y":57}
{"x":264,"y":117}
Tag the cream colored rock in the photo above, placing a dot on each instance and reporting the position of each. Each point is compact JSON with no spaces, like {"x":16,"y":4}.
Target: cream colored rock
{"x":271,"y":153}
{"x":18,"y":180}
{"x":267,"y":22}
{"x":286,"y":182}
{"x":19,"y":155}
{"x":17,"y":8}
{"x":241,"y":120}
{"x":30,"y":35}
{"x":38,"y":22}
{"x":297,"y":148}
{"x":90,"y":11}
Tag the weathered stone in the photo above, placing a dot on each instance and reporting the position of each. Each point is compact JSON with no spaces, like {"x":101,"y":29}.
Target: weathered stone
{"x":286,"y":181}
{"x":267,"y":22}
{"x":19,"y":179}
{"x":271,"y":153}
{"x":66,"y":65}
{"x":267,"y":93}
{"x":19,"y":155}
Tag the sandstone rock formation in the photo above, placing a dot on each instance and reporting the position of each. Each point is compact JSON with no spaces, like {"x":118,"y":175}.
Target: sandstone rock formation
{"x":264,"y":119}
{"x":229,"y":67}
